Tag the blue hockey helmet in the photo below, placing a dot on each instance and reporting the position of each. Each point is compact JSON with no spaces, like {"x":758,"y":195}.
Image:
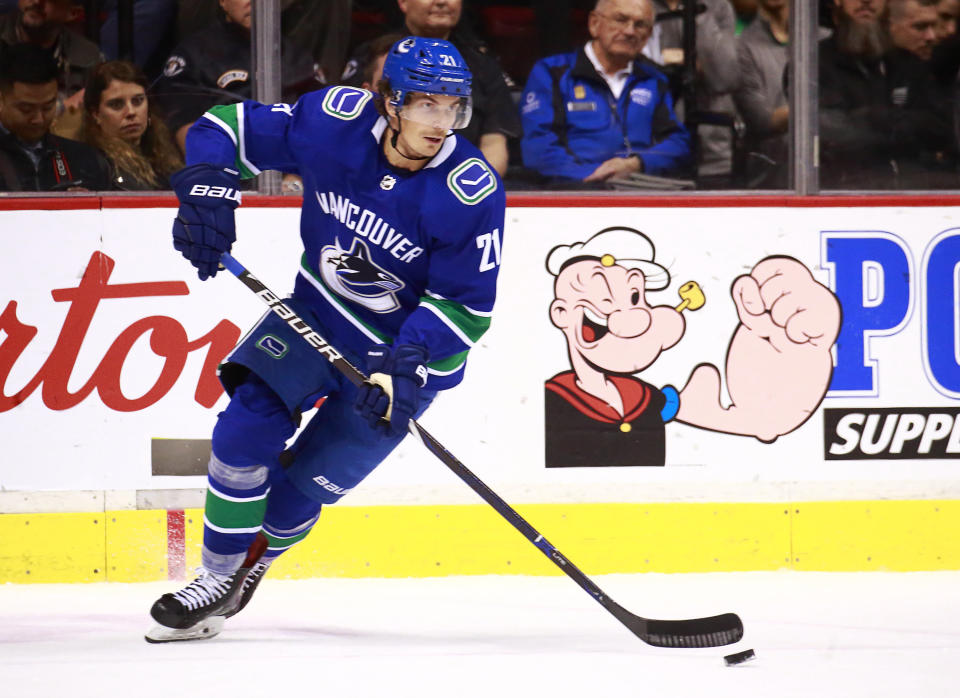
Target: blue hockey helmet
{"x":428,"y":66}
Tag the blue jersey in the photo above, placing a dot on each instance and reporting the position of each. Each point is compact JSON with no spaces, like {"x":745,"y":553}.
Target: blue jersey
{"x":390,"y":255}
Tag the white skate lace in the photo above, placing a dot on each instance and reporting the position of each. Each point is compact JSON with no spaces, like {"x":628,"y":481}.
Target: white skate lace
{"x":204,"y":590}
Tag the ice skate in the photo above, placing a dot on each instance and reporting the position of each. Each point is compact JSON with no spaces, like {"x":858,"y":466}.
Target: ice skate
{"x":207,"y":595}
{"x":250,"y":584}
{"x":197,"y":611}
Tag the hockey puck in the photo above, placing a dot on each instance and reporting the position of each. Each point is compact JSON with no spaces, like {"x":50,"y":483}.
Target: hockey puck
{"x":739,"y":657}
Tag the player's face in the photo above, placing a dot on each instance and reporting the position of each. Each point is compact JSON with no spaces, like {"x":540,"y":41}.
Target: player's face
{"x":437,"y":111}
{"x":123,"y":111}
{"x":426,"y":120}
{"x":27,"y":111}
{"x":606,"y":318}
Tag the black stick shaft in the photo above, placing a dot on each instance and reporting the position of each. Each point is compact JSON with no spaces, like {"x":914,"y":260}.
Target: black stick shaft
{"x":706,"y":632}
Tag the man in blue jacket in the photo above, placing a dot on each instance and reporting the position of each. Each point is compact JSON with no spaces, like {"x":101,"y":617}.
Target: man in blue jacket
{"x":605,"y":110}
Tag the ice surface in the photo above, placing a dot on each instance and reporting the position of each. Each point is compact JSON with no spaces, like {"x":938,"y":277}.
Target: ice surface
{"x":817,"y":635}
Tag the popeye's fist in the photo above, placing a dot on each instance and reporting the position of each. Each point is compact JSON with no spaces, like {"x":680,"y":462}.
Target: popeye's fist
{"x":778,"y":362}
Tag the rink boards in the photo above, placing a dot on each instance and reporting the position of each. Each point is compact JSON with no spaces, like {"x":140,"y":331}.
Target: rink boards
{"x":109,"y":394}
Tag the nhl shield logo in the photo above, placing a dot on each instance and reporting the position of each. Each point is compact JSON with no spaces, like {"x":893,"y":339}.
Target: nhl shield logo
{"x":388,"y":182}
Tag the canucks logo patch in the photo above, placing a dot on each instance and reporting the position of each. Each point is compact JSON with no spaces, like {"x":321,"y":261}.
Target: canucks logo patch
{"x":353,"y":275}
{"x":346,"y":102}
{"x":472,"y":181}
{"x":274,"y":346}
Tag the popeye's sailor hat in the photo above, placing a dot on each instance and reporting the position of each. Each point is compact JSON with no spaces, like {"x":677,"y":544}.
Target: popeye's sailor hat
{"x":624,"y":247}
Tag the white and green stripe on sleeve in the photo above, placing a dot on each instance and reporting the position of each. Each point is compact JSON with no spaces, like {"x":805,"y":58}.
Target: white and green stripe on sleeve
{"x":229,"y":117}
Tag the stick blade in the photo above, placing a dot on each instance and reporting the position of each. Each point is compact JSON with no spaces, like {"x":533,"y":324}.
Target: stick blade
{"x":715,"y":631}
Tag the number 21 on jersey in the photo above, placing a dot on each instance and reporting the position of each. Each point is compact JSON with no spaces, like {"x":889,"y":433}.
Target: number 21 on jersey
{"x":490,"y":244}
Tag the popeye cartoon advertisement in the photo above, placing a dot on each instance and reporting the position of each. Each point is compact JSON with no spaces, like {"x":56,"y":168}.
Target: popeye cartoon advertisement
{"x":600,"y":412}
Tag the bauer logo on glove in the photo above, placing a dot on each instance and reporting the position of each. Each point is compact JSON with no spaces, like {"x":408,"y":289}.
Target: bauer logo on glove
{"x":204,"y":227}
{"x":216,"y":192}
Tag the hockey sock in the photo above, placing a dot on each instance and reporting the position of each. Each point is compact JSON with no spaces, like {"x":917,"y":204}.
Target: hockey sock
{"x":249,"y":435}
{"x":289,"y":518}
{"x":233,"y":515}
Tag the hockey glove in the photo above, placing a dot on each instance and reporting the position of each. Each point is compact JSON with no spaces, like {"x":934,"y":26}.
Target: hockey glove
{"x":204,"y":227}
{"x":390,"y":398}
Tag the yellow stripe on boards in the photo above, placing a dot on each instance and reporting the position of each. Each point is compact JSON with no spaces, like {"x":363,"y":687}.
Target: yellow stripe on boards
{"x":52,"y":547}
{"x":600,"y":538}
{"x":136,"y":545}
{"x":879,"y":535}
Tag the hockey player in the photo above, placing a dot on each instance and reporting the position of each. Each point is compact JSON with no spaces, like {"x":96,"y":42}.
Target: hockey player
{"x":401,"y":227}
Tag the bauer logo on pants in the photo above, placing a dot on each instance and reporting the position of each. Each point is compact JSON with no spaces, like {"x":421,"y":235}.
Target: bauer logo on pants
{"x":274,"y":346}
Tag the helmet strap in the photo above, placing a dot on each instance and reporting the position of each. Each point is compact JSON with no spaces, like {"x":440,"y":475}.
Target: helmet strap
{"x":396,"y":136}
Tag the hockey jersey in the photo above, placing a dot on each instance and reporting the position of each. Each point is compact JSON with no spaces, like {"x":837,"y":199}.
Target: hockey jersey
{"x":390,"y":256}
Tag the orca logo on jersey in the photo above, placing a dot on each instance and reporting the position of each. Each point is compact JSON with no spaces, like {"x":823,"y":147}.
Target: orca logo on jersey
{"x":353,"y":275}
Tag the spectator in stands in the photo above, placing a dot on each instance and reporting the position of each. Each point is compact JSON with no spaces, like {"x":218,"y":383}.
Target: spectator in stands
{"x":880,"y":126}
{"x":945,"y":62}
{"x":316,"y":28}
{"x":153,"y":24}
{"x":761,"y":99}
{"x":913,"y":32}
{"x":746,"y":11}
{"x":948,"y":12}
{"x":118,"y":121}
{"x":495,"y":117}
{"x":913,"y":26}
{"x":370,"y":70}
{"x":604,"y":111}
{"x":43,"y":23}
{"x":31,"y":158}
{"x":854,"y":150}
{"x":716,"y":80}
{"x":213,"y":67}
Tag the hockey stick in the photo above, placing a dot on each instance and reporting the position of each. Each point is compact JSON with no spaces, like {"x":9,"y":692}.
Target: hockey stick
{"x":714,"y":631}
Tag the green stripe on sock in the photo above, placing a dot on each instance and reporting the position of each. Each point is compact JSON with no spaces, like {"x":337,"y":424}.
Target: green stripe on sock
{"x":226,"y":514}
{"x":275,"y":542}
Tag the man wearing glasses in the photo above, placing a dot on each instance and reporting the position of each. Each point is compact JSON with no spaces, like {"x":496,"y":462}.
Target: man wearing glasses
{"x":604,"y":111}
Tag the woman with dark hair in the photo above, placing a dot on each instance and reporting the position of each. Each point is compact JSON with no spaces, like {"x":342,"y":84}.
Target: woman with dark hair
{"x":117,"y":120}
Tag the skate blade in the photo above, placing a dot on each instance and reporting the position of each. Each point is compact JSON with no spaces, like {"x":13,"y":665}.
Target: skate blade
{"x":204,"y":630}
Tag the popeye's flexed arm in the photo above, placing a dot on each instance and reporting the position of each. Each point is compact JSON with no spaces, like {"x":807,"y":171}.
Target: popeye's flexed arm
{"x":778,"y":363}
